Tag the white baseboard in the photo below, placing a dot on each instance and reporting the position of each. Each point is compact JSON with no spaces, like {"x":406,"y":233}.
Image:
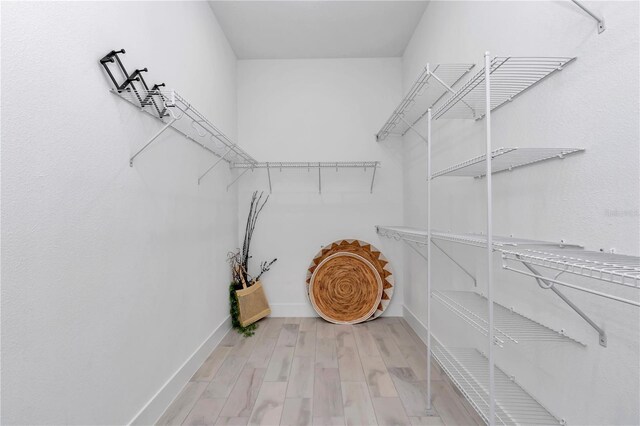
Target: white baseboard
{"x":415,"y":323}
{"x":153,"y":409}
{"x":289,"y":310}
{"x":292,"y":310}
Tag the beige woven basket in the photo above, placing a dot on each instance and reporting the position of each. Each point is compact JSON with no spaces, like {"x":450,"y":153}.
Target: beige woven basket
{"x":345,"y":288}
{"x":252,"y":303}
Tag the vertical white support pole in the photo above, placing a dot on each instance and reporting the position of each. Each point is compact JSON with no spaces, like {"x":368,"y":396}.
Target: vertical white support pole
{"x":487,"y":76}
{"x":429,"y":407}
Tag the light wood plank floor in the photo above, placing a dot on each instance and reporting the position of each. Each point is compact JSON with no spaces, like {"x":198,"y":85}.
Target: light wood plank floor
{"x":305,"y":371}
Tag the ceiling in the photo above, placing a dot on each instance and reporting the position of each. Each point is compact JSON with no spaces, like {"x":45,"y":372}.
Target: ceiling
{"x":318,"y":29}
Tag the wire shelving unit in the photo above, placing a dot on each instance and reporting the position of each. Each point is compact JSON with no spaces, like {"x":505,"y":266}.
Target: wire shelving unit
{"x":509,"y":325}
{"x":308,"y":165}
{"x":406,"y":233}
{"x":171,"y":109}
{"x":619,"y":269}
{"x":480,"y":240}
{"x":468,"y":369}
{"x":509,"y":77}
{"x":501,"y":80}
{"x":430,"y":86}
{"x":178,"y":108}
{"x":505,"y":159}
{"x":337,"y":165}
{"x":419,"y":236}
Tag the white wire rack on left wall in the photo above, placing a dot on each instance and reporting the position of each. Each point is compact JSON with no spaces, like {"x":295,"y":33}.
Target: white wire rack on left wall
{"x":169,"y":108}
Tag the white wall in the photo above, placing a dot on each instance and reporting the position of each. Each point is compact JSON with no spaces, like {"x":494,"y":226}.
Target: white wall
{"x":317,"y":110}
{"x":112,"y":277}
{"x":590,"y":199}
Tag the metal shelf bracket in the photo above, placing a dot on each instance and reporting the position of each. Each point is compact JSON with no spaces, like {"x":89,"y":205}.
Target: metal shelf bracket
{"x":153,"y":138}
{"x":598,"y":19}
{"x":373,"y":178}
{"x":475,"y":283}
{"x":238,"y":178}
{"x":546,"y":284}
{"x":214,"y":165}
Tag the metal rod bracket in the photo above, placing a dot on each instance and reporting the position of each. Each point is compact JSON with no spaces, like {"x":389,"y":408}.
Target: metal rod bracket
{"x":153,"y":138}
{"x":475,"y":283}
{"x":599,"y":19}
{"x":602,"y":336}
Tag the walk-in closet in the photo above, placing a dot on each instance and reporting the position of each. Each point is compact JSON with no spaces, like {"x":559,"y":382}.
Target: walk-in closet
{"x":339,"y":213}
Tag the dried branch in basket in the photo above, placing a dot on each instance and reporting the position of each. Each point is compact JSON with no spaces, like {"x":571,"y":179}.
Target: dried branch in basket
{"x":239,"y":260}
{"x":264,"y":267}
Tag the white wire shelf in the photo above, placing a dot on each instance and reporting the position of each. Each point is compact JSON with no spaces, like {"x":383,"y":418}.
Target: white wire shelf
{"x":176,"y":107}
{"x":499,"y":242}
{"x":469,"y":370}
{"x":414,"y":235}
{"x":308,"y":165}
{"x":505,"y":159}
{"x":509,"y":326}
{"x":431,"y":86}
{"x":419,"y":236}
{"x":510,"y":77}
{"x":609,"y":267}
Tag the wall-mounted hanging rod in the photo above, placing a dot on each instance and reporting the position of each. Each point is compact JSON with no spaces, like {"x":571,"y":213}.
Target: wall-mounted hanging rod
{"x":161,"y":104}
{"x":173,"y":128}
{"x":207,"y":135}
{"x":337,"y":165}
{"x":599,"y":19}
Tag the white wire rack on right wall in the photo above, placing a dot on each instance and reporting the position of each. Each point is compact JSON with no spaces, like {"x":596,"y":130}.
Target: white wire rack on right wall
{"x":497,"y":398}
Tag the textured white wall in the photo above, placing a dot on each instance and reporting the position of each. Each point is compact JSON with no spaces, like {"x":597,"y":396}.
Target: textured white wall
{"x":590,"y":199}
{"x":317,"y":110}
{"x":111,"y":276}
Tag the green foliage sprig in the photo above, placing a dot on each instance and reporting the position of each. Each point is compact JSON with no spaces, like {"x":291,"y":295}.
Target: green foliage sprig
{"x":234,"y":310}
{"x":239,"y":261}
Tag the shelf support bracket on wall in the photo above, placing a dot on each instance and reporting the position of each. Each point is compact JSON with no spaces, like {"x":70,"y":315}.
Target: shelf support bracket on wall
{"x":450,"y":90}
{"x":599,"y":19}
{"x":475,"y":283}
{"x":543,"y":283}
{"x":214,"y":165}
{"x":373,"y":177}
{"x":239,"y":176}
{"x":419,"y":253}
{"x":153,"y":138}
{"x":319,"y":180}
{"x":415,"y":131}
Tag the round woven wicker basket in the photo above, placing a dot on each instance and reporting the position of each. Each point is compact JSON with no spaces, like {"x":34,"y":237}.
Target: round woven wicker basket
{"x":343,"y":288}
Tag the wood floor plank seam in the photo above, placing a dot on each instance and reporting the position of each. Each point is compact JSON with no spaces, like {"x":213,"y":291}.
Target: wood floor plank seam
{"x":231,"y":386}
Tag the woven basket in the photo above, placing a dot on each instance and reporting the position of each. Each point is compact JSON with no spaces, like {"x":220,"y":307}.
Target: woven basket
{"x":345,"y":288}
{"x":252,"y":303}
{"x":369,"y":253}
